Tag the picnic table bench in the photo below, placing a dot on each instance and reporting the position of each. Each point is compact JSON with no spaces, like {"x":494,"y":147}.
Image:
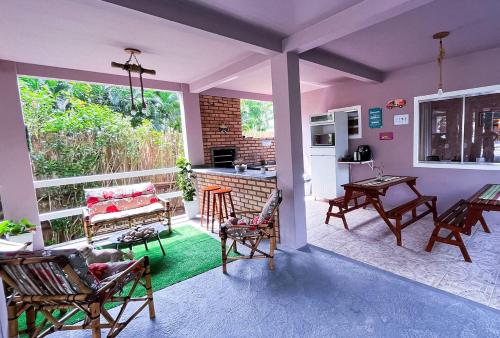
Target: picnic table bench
{"x":374,"y":188}
{"x":461,"y":216}
{"x":343,"y":205}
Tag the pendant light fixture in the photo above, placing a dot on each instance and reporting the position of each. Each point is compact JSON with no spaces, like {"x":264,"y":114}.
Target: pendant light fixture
{"x":132,"y":65}
{"x":440,"y":36}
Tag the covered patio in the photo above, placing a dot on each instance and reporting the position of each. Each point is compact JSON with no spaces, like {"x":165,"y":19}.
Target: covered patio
{"x":148,"y":147}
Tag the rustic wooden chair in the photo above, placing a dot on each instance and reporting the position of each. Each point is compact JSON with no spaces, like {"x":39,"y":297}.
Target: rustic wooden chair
{"x":45,"y":284}
{"x":250,"y":231}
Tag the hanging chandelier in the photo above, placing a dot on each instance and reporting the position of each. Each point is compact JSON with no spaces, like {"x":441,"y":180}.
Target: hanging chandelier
{"x":132,"y":65}
{"x":440,"y":36}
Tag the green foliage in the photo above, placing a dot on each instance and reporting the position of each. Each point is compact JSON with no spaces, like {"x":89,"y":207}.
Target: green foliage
{"x":83,"y":129}
{"x":9,"y":227}
{"x":79,"y":129}
{"x":257,"y":118}
{"x":185,"y":179}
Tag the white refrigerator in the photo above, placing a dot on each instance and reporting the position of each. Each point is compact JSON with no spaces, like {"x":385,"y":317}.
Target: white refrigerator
{"x":327,"y":176}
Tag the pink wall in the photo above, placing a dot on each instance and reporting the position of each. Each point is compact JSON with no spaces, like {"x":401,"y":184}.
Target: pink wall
{"x":16,"y":180}
{"x":191,"y":126}
{"x":472,"y":70}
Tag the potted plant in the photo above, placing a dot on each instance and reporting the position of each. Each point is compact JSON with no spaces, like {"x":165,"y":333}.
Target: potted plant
{"x":239,"y":166}
{"x":185,"y":183}
{"x":19,"y":232}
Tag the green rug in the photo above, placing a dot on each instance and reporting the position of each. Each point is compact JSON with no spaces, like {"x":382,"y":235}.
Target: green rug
{"x":189,"y":252}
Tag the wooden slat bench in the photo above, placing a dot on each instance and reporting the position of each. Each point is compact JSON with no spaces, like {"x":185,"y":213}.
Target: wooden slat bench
{"x":344,"y":207}
{"x":454,"y":219}
{"x":398,"y":212}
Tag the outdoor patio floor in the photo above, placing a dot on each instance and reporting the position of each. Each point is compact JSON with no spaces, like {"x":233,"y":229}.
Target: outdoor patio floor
{"x":370,"y":241}
{"x":312,"y":293}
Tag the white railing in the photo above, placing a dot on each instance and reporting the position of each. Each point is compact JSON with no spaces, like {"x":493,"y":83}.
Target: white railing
{"x":57,"y":182}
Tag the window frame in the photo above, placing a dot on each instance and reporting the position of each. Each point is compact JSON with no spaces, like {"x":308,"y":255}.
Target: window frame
{"x":241,"y":118}
{"x":495,"y":89}
{"x":72,"y":180}
{"x":360,"y":121}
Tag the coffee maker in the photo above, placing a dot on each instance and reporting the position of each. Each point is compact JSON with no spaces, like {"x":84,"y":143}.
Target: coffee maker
{"x":365,"y":153}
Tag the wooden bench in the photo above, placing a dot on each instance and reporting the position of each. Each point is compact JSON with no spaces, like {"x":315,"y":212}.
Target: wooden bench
{"x":453,"y":219}
{"x":344,"y":207}
{"x":398,"y":212}
{"x":110,"y":209}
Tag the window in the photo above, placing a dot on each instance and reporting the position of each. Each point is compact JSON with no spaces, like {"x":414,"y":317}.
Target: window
{"x":83,"y":135}
{"x":459,"y":129}
{"x":257,"y":118}
{"x":353,"y":120}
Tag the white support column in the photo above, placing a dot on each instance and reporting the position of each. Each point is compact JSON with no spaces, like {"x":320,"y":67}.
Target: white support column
{"x":289,"y":158}
{"x":16,"y":179}
{"x":191,"y":126}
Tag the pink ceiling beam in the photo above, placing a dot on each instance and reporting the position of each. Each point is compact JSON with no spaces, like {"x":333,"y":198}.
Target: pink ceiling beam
{"x":265,"y":44}
{"x":202,"y":19}
{"x":362,"y":15}
{"x":352,"y":69}
{"x":227,"y":73}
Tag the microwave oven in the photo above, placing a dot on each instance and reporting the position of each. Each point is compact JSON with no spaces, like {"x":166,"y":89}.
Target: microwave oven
{"x":322,"y":119}
{"x":320,"y":140}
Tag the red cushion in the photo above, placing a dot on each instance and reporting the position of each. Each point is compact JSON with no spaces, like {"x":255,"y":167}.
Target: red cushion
{"x":98,"y":270}
{"x":91,"y":201}
{"x":111,"y":208}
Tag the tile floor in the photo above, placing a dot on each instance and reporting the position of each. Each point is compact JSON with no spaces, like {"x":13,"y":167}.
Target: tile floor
{"x":370,"y":241}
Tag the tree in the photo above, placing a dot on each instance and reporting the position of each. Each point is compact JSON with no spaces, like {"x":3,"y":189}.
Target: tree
{"x":79,"y":129}
{"x":257,"y":118}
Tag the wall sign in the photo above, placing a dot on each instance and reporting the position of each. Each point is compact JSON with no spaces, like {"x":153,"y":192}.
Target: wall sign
{"x":401,"y":119}
{"x":375,"y":117}
{"x":396,"y":103}
{"x":386,"y":136}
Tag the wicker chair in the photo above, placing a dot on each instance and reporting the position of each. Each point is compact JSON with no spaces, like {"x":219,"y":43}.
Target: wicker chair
{"x":250,"y":231}
{"x":46,"y":283}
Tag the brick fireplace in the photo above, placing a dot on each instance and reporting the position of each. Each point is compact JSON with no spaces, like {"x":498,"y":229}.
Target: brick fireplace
{"x":219,"y":111}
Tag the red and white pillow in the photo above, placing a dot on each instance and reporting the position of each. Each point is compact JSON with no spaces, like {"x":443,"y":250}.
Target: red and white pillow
{"x":115,"y":199}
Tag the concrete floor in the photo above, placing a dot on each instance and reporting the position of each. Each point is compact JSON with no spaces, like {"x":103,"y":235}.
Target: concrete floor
{"x":312,"y":293}
{"x":369,"y":240}
{"x":318,"y":293}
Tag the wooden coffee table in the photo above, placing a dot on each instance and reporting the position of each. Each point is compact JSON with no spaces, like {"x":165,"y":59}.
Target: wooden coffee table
{"x":158,"y":227}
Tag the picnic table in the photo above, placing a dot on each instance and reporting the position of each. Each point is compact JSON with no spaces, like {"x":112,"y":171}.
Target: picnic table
{"x":375,"y":188}
{"x":485,"y":199}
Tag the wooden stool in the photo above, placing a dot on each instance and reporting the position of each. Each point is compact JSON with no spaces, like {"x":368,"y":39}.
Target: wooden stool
{"x":217,"y":208}
{"x":206,"y":197}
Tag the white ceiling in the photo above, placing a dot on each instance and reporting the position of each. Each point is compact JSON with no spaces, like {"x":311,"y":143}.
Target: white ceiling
{"x":312,"y":77}
{"x":89,"y":34}
{"x":406,"y":40}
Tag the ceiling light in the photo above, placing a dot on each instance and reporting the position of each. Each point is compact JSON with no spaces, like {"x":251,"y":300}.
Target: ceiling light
{"x":132,"y":65}
{"x":440,"y":36}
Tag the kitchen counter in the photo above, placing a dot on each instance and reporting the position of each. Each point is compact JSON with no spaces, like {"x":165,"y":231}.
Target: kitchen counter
{"x":247,"y":174}
{"x":250,"y":189}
